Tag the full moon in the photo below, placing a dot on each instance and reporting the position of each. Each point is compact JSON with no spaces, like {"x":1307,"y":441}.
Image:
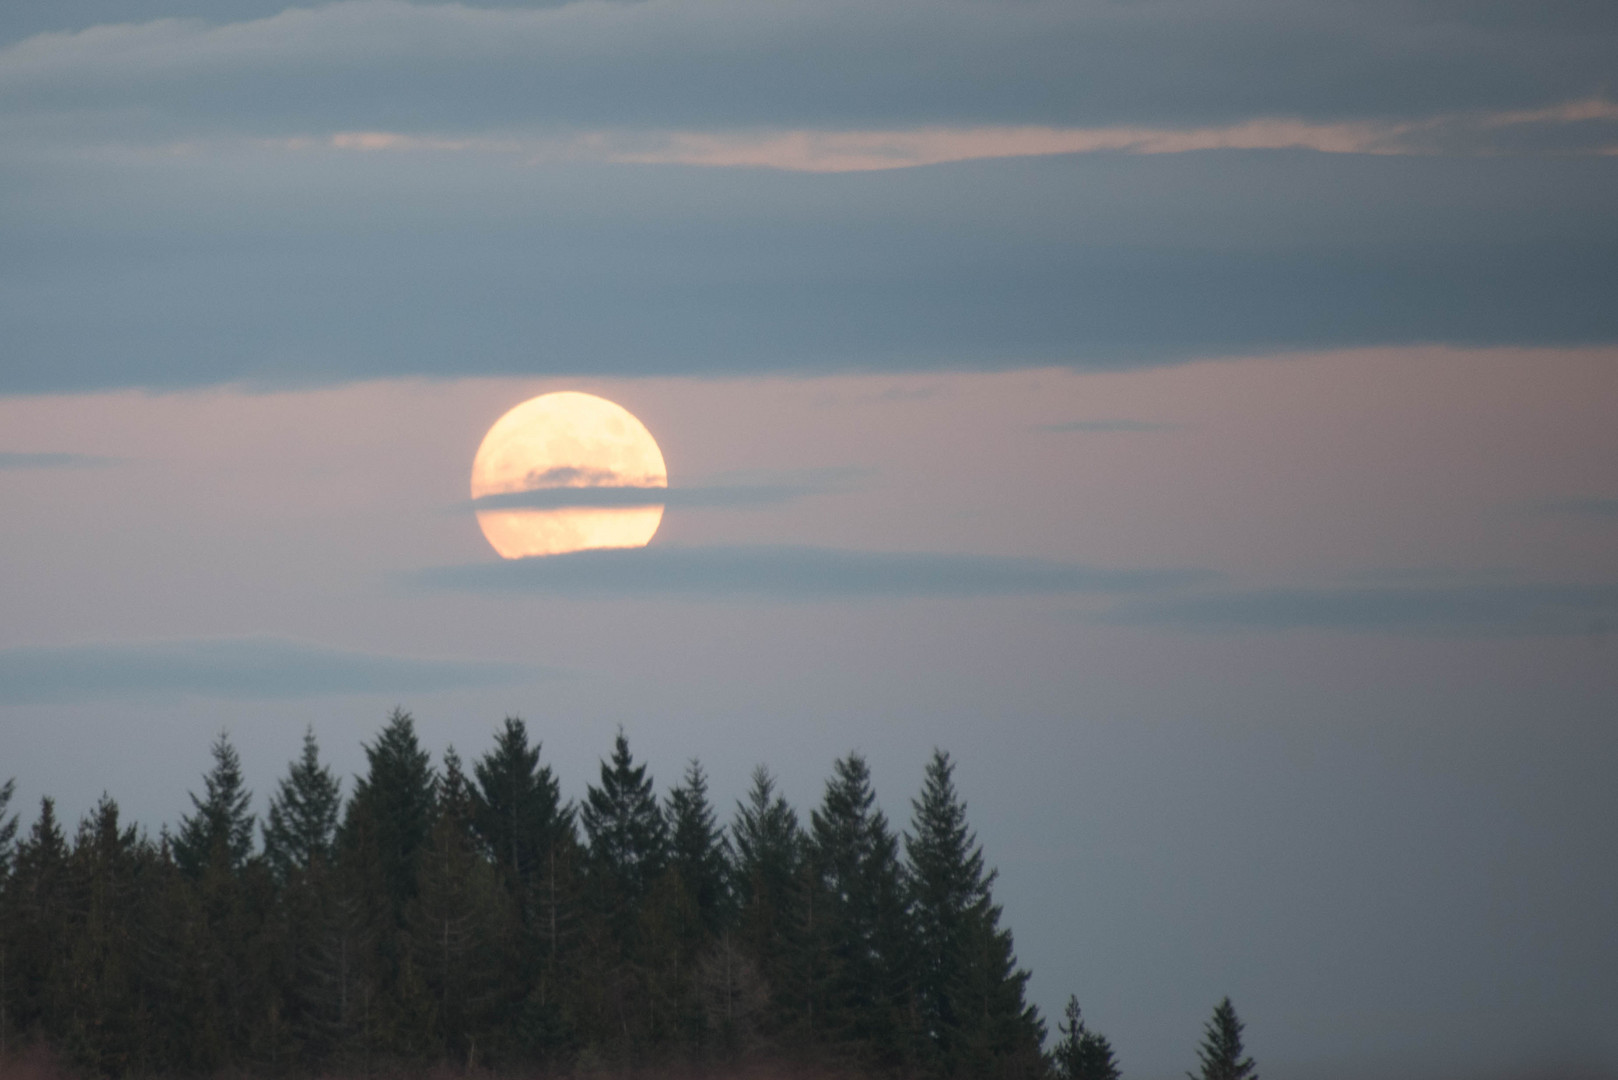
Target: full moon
{"x":567,"y":440}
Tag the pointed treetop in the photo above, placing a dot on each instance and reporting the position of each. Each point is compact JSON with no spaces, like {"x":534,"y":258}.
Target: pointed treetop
{"x":8,"y":828}
{"x":302,"y":821}
{"x":220,"y":832}
{"x":626,"y":828}
{"x":1221,"y":1050}
{"x":698,"y":847}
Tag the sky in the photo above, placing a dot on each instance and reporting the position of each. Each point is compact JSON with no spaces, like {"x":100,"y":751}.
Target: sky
{"x":1197,"y":418}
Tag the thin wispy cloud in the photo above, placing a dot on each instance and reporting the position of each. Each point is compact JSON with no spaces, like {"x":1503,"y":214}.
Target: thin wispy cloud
{"x":1483,"y":609}
{"x":1104,"y":426}
{"x":17,"y":460}
{"x":230,"y":668}
{"x":1597,"y":509}
{"x":788,"y":572}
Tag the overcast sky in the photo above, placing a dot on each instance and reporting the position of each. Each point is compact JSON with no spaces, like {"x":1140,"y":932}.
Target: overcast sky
{"x":1197,"y":417}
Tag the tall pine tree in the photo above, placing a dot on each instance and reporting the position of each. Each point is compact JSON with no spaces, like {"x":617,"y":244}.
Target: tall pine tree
{"x":626,"y":829}
{"x":769,"y":888}
{"x":699,"y":852}
{"x":220,"y":832}
{"x":628,"y":850}
{"x":971,"y":993}
{"x":518,"y":813}
{"x":459,"y":928}
{"x":302,"y":822}
{"x":1221,"y":1050}
{"x":863,"y":990}
{"x":8,"y":829}
{"x":517,"y":806}
{"x":392,"y":808}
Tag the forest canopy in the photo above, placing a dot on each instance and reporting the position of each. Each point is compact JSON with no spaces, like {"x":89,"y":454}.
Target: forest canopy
{"x":473,"y":918}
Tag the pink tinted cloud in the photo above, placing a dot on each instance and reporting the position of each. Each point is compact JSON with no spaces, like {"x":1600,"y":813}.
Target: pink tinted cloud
{"x":861,"y":151}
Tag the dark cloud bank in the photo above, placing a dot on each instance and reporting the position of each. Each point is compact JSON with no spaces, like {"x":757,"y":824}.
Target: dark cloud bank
{"x":161,"y":274}
{"x":161,"y":232}
{"x":365,"y":64}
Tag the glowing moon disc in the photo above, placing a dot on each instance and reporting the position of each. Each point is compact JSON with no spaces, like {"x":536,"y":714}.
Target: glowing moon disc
{"x":567,"y":440}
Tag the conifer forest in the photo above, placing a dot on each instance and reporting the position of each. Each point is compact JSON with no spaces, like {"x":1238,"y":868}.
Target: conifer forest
{"x":465,"y":918}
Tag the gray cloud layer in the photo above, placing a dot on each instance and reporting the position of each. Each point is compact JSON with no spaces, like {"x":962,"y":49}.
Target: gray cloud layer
{"x":1473,"y":609}
{"x":389,"y":64}
{"x":176,"y":214}
{"x":172,"y":272}
{"x":794,"y":573}
{"x":246,"y":668}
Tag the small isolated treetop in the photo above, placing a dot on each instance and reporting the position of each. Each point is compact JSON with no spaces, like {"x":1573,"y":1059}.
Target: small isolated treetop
{"x":1221,"y":1050}
{"x":1082,"y":1054}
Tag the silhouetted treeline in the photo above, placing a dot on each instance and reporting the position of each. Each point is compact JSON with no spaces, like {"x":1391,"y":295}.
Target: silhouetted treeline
{"x":477,"y":919}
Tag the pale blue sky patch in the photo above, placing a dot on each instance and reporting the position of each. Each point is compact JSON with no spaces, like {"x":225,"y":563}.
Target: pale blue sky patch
{"x":11,"y":459}
{"x":235,"y":669}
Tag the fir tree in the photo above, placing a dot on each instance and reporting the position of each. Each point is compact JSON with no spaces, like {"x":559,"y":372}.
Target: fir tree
{"x":458,"y":926}
{"x":36,"y":927}
{"x":628,"y":850}
{"x":863,"y":991}
{"x":626,"y":829}
{"x":221,"y":831}
{"x":303,"y":814}
{"x":971,"y":993}
{"x":1082,"y":1054}
{"x":8,"y":829}
{"x":1221,"y":1050}
{"x":769,"y":849}
{"x":768,"y":886}
{"x":392,"y":807}
{"x":699,"y":852}
{"x":518,"y":811}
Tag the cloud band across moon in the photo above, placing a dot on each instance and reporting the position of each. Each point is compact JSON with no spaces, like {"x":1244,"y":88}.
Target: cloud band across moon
{"x":715,"y":497}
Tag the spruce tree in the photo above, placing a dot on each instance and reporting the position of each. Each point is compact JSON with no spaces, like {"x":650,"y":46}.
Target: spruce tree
{"x":1221,"y":1050}
{"x":221,"y":831}
{"x":458,"y":927}
{"x":37,"y":929}
{"x":769,"y":849}
{"x":302,"y":822}
{"x":863,"y":992}
{"x":1082,"y":1054}
{"x":518,"y":811}
{"x":625,"y":827}
{"x":628,"y":850}
{"x":768,"y":884}
{"x":699,"y":852}
{"x":8,"y":829}
{"x":970,"y":991}
{"x":392,"y":808}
